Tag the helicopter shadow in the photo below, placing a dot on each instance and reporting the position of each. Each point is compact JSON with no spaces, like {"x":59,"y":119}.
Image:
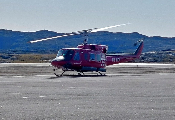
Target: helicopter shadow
{"x":76,"y":76}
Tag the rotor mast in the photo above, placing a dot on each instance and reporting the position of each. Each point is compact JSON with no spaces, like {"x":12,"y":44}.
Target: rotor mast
{"x":86,"y":36}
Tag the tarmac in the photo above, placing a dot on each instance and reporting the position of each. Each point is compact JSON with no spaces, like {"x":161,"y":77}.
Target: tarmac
{"x":130,"y":91}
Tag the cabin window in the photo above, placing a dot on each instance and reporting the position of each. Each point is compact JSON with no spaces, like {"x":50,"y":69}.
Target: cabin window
{"x":86,"y":56}
{"x":77,"y":56}
{"x":98,"y":57}
{"x":92,"y":57}
{"x":113,"y":59}
{"x":103,"y":57}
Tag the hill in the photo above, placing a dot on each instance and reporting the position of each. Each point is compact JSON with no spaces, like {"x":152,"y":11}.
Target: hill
{"x":16,"y":41}
{"x":156,"y":48}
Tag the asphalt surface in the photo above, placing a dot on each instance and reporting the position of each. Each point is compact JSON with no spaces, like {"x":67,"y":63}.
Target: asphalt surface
{"x":126,"y":92}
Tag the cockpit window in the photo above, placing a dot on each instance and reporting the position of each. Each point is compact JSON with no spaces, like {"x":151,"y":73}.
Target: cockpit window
{"x":60,"y":53}
{"x":67,"y":54}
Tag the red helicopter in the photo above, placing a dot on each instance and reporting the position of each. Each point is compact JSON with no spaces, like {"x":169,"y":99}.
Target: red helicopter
{"x":89,"y":57}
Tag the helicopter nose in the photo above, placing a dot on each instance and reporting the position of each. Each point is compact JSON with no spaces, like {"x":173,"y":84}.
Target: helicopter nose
{"x":53,"y":63}
{"x":58,"y":62}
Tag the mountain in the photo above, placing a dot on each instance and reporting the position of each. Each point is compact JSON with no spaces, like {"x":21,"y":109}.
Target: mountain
{"x":17,"y":42}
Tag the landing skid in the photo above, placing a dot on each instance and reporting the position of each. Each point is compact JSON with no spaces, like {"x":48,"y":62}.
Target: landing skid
{"x":79,"y":74}
{"x":60,"y":74}
{"x":57,"y":74}
{"x":100,"y":73}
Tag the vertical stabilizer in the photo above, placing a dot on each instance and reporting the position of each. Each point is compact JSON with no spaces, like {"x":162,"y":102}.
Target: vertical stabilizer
{"x":139,"y":50}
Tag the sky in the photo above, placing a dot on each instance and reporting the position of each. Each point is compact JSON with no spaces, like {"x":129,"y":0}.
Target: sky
{"x":148,"y":17}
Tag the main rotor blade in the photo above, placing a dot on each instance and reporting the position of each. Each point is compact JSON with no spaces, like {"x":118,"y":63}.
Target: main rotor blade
{"x":101,"y":29}
{"x":34,"y":41}
{"x":84,"y":32}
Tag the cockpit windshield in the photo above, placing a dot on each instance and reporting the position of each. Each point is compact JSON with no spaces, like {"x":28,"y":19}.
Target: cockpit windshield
{"x":67,"y":54}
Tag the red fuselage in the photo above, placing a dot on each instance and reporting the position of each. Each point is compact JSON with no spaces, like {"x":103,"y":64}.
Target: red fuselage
{"x":90,"y":57}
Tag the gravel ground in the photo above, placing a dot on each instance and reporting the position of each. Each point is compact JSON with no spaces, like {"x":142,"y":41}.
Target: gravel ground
{"x":127,"y":92}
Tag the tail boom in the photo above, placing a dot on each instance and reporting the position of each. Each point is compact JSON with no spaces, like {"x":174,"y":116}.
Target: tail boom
{"x":121,"y":58}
